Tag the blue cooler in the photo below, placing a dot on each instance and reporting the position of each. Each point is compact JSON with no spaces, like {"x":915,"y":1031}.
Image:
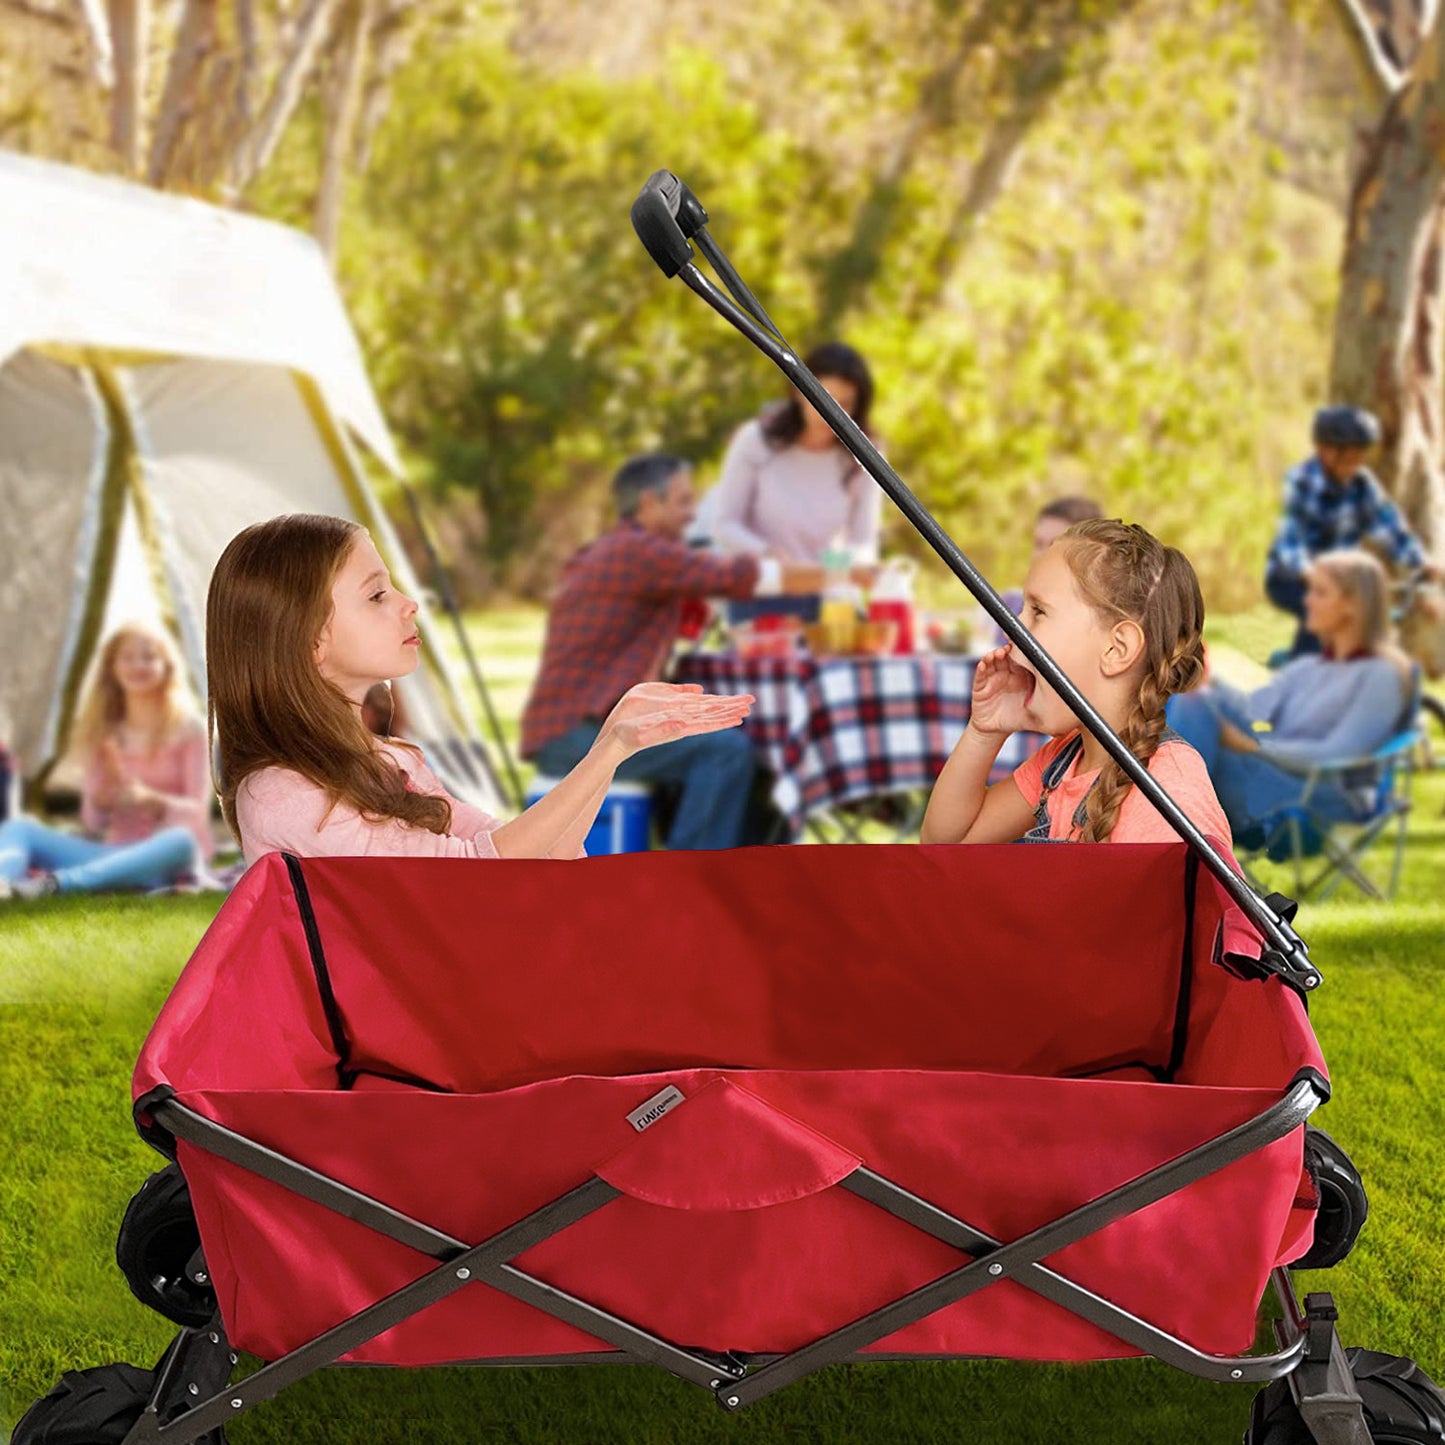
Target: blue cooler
{"x":624,"y":824}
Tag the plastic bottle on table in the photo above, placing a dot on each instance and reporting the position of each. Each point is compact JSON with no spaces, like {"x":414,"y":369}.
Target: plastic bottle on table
{"x":838,"y":612}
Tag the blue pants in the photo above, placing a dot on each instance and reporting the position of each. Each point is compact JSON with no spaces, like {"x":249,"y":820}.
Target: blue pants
{"x":714,"y":770}
{"x":1250,"y":787}
{"x":81,"y":865}
{"x":1288,"y":594}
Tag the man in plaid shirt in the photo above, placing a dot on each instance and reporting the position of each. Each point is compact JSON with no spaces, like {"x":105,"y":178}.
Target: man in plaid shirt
{"x":1332,"y":501}
{"x":614,"y":618}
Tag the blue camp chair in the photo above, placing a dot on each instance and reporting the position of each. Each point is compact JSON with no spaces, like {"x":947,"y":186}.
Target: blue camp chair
{"x":1324,"y":851}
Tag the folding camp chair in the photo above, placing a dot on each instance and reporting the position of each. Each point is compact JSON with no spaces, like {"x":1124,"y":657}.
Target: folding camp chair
{"x":1323,"y":850}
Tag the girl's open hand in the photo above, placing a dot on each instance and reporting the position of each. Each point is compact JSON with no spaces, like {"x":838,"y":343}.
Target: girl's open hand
{"x":661,"y":712}
{"x":1001,"y":691}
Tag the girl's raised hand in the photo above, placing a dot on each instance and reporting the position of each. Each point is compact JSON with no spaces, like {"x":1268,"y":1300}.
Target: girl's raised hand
{"x":661,"y":712}
{"x":1001,"y":691}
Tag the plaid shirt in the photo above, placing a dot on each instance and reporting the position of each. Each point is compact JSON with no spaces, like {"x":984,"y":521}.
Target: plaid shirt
{"x":1321,"y":515}
{"x":613,"y":622}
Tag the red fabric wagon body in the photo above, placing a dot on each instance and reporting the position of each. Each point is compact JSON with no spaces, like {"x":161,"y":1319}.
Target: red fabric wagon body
{"x":1006,"y":1033}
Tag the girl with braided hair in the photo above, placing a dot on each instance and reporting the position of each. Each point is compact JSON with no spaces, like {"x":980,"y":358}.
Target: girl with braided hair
{"x":1122,"y":615}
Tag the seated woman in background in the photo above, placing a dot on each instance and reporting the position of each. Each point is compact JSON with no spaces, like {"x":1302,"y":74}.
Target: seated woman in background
{"x":1340,"y":704}
{"x":789,"y":487}
{"x":146,"y":797}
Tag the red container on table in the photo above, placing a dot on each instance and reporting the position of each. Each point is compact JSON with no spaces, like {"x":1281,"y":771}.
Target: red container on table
{"x":883,"y":609}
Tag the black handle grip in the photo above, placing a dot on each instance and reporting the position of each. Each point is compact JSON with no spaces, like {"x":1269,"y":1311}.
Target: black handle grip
{"x":664,"y":215}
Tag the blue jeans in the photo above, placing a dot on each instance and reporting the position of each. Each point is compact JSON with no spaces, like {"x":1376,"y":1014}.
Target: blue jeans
{"x":1250,"y":787}
{"x":1288,"y":594}
{"x":714,"y":770}
{"x":81,"y":865}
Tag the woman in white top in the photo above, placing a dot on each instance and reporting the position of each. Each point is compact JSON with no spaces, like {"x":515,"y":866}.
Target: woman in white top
{"x":789,"y":486}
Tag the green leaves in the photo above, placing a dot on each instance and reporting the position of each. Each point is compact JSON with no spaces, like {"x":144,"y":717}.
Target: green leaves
{"x":1141,"y":313}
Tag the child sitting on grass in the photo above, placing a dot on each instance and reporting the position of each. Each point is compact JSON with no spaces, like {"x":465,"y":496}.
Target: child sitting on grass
{"x":1123,"y":617}
{"x":145,"y":801}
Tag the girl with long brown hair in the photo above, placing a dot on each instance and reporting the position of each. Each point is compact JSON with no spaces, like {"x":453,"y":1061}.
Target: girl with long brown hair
{"x":1123,"y":617}
{"x":302,"y":620}
{"x":146,"y":796}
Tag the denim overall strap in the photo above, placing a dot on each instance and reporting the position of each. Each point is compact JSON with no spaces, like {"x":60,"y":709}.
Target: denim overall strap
{"x":1055,"y":773}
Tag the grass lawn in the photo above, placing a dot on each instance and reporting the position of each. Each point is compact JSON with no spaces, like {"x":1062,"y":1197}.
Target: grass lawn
{"x":80,"y":981}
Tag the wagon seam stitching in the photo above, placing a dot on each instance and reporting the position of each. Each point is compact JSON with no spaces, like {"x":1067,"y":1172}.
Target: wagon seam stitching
{"x":1186,"y":972}
{"x":329,"y":1006}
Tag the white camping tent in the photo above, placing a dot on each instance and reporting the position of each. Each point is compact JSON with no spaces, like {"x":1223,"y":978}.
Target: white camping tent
{"x":172,"y":372}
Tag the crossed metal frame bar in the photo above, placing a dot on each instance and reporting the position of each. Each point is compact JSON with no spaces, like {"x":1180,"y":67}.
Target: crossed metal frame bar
{"x":727,"y":1375}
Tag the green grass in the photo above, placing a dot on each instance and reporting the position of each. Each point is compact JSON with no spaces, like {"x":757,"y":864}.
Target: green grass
{"x":508,"y":646}
{"x":80,"y":981}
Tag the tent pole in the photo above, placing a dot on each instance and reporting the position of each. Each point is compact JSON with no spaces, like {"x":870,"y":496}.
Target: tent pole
{"x":448,"y":598}
{"x":99,"y":572}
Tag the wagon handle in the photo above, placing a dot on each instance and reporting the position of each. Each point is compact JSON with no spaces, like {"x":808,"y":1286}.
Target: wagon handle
{"x":668,"y":218}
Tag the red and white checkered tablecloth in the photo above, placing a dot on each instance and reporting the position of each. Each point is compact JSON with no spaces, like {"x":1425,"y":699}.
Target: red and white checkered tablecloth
{"x":838,"y":729}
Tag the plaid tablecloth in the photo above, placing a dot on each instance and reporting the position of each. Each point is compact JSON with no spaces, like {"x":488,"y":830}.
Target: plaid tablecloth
{"x":840,"y":729}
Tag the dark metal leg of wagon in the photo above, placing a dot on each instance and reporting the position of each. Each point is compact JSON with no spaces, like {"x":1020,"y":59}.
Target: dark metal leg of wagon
{"x":494,"y":1268}
{"x":488,"y":1263}
{"x":1322,"y":1384}
{"x":1020,"y":1259}
{"x":1075,"y":1298}
{"x":195,"y":1368}
{"x":491,"y":1263}
{"x":456,"y":1273}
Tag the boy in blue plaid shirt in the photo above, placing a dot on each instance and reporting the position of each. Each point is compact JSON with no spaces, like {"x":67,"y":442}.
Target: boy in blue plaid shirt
{"x":1332,"y":502}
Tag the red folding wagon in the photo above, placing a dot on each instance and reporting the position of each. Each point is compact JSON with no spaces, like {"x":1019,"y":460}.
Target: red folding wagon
{"x":745,"y":1114}
{"x":738,"y":1114}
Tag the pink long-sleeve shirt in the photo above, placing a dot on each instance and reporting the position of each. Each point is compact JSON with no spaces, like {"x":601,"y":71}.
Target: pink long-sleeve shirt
{"x":793,"y":501}
{"x":179,"y":770}
{"x":280,"y":811}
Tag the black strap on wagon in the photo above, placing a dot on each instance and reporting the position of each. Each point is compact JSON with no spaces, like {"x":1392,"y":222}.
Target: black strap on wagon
{"x":668,"y":218}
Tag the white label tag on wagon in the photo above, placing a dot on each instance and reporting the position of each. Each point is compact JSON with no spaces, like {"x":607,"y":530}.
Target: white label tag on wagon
{"x":650,"y":1112}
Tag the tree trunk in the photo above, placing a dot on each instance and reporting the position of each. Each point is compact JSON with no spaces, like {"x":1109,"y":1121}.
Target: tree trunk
{"x":259,"y":144}
{"x":853,"y":268}
{"x":341,"y":120}
{"x":1040,"y":80}
{"x":129,"y":35}
{"x":194,"y":38}
{"x":1386,"y":351}
{"x":392,"y":36}
{"x":98,"y":45}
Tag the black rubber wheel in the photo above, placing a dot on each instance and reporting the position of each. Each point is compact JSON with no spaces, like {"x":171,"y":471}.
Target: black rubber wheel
{"x":157,"y":1238}
{"x":1344,"y":1206}
{"x":1403,"y":1405}
{"x":87,"y":1407}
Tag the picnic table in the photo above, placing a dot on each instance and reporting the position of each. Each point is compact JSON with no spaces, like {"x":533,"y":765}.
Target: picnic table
{"x":838,"y":733}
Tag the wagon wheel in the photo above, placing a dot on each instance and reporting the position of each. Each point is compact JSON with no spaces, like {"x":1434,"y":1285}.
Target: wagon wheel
{"x":100,"y":1406}
{"x":157,"y":1239}
{"x":1344,"y":1205}
{"x":1402,"y":1404}
{"x":93,"y":1407}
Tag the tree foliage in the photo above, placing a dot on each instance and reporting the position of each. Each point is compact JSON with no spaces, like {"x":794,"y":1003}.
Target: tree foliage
{"x":198,"y":95}
{"x":1088,"y":245}
{"x":1140,"y":312}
